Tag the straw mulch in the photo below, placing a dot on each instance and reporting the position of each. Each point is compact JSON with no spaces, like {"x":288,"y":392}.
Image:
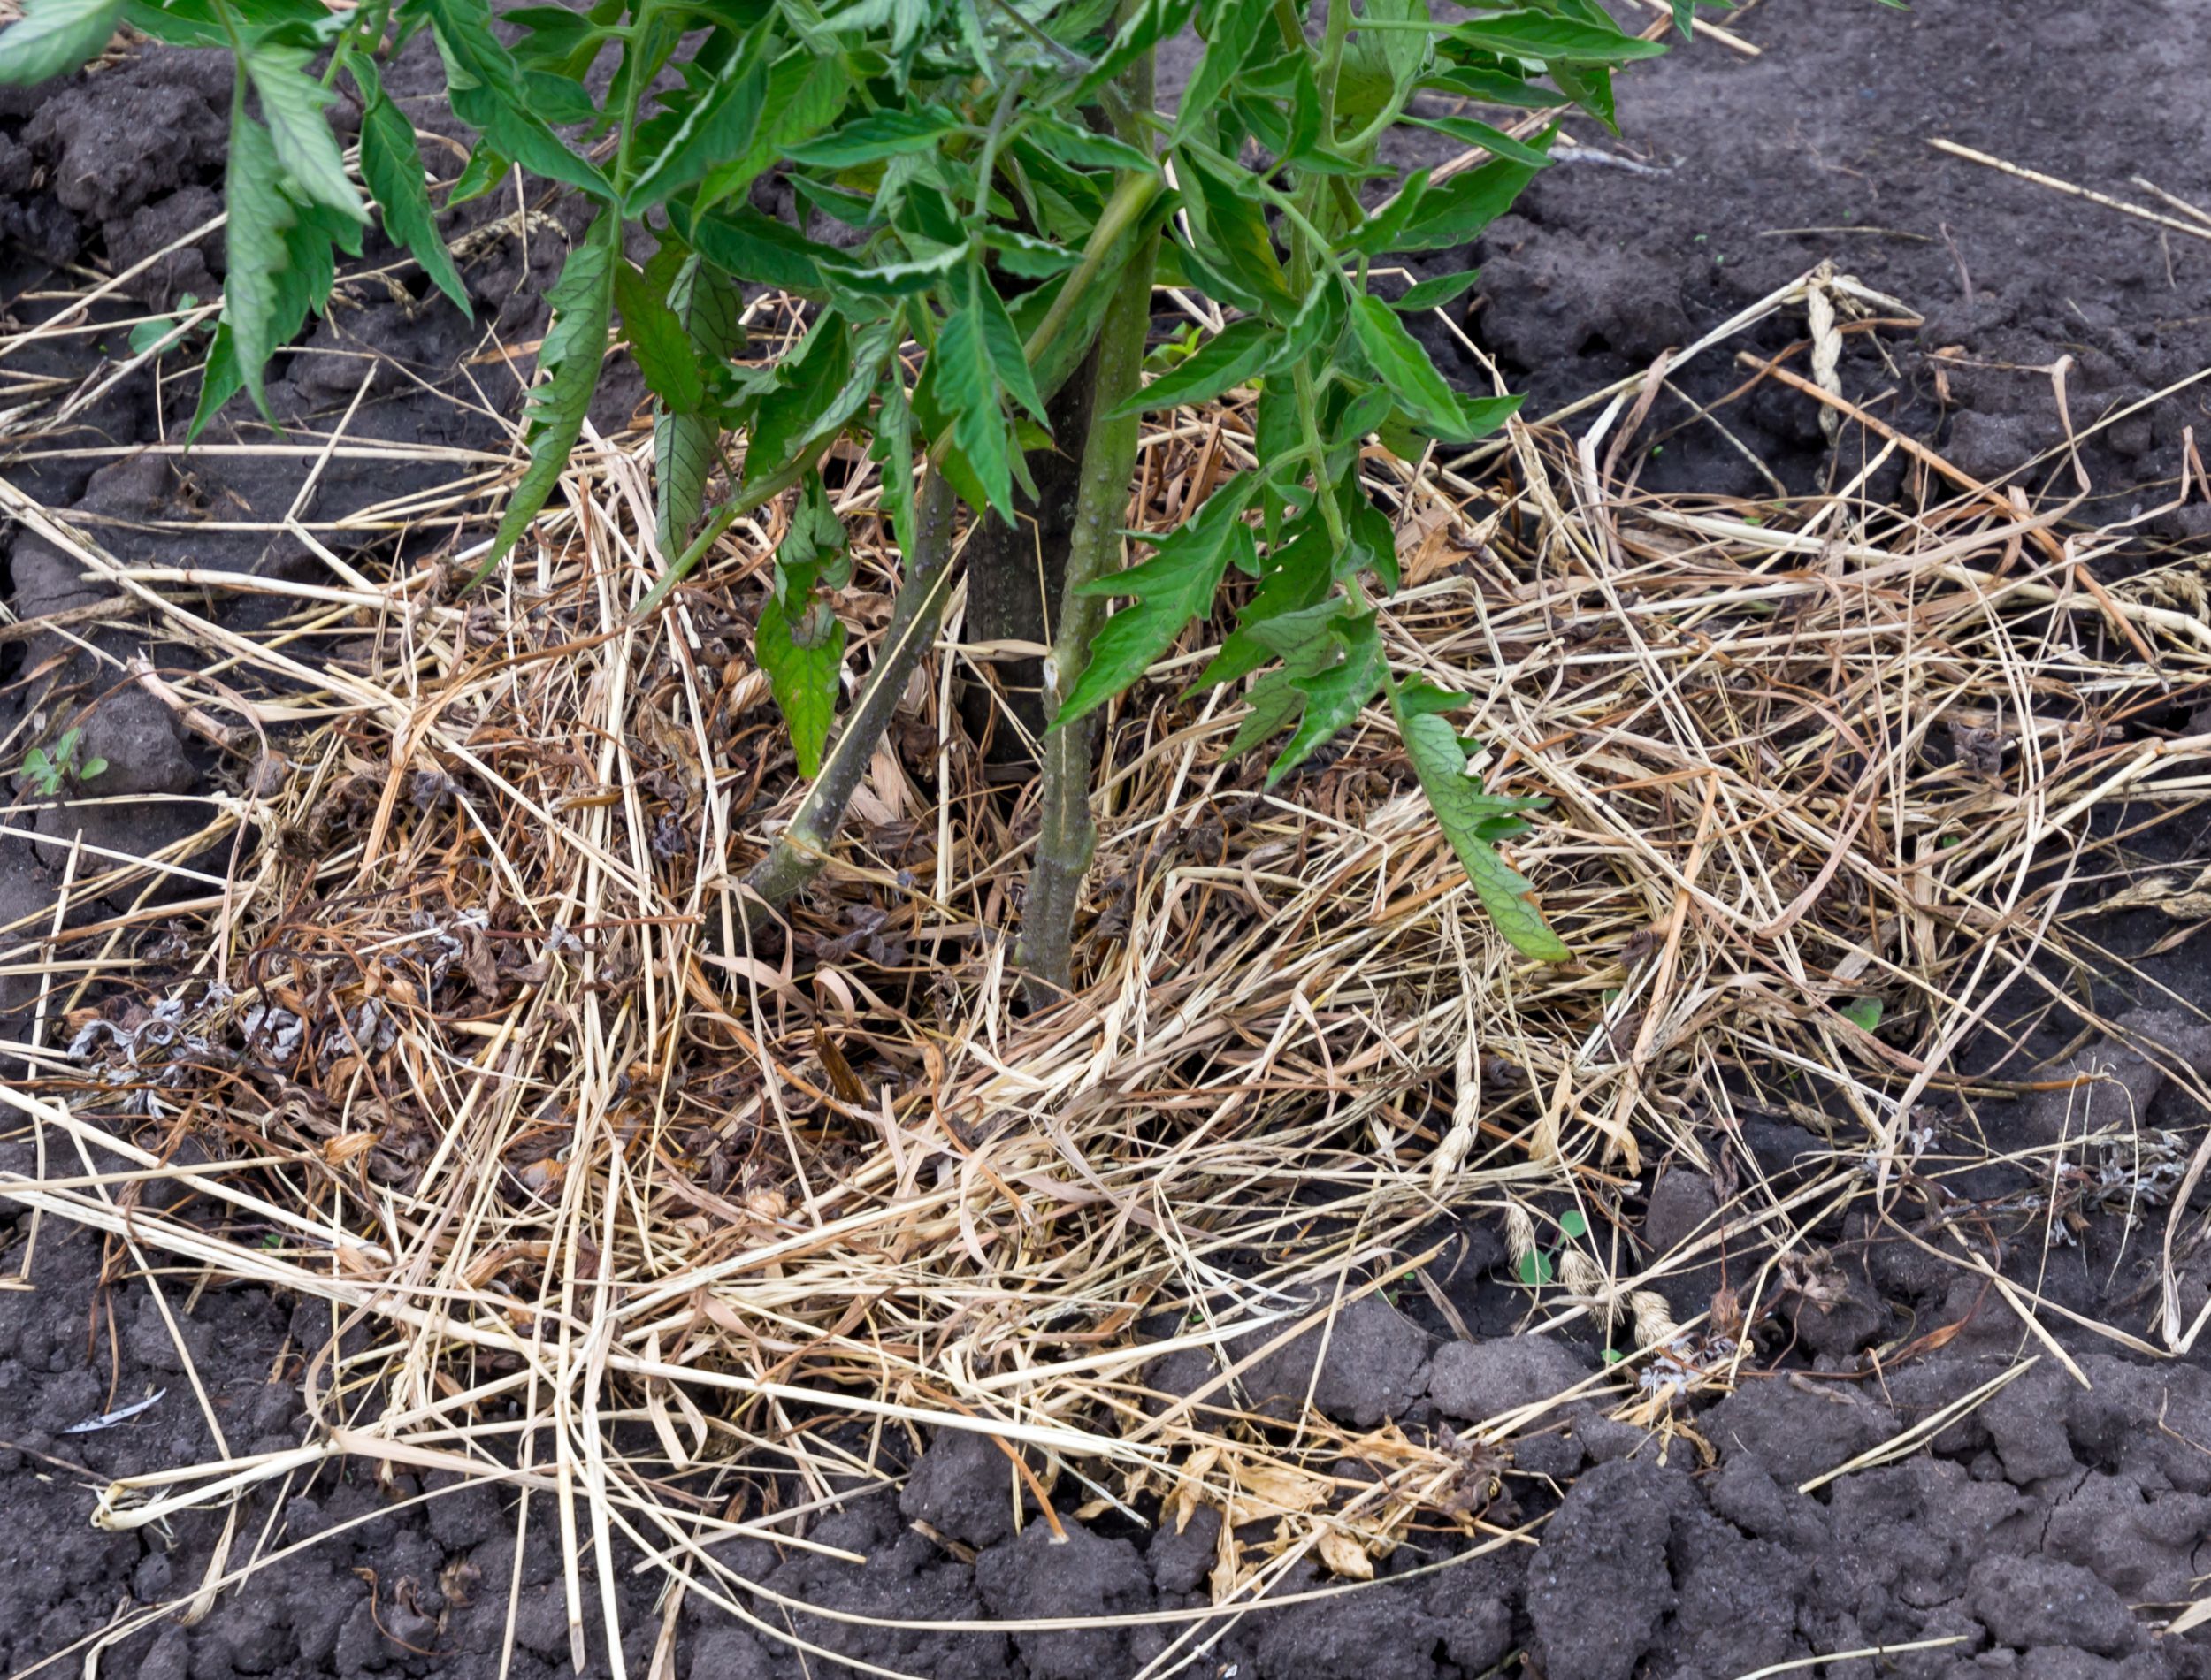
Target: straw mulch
{"x":618,"y":1201}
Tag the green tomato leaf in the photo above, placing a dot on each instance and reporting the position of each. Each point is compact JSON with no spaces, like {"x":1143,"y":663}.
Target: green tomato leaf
{"x":805,"y":94}
{"x":484,"y":169}
{"x":1175,"y":586}
{"x":391,"y":164}
{"x":964,"y":385}
{"x":878,"y":135}
{"x":1008,"y":360}
{"x":1229,"y":358}
{"x":813,"y":550}
{"x":1333,"y":695}
{"x":261,"y":215}
{"x":1495,"y":140}
{"x":1435,"y":293}
{"x":803,"y":678}
{"x":56,"y":36}
{"x":790,"y":415}
{"x":721,"y":122}
{"x":664,"y":353}
{"x":741,"y":242}
{"x":488,"y":93}
{"x":893,"y":451}
{"x":575,"y":348}
{"x":1236,"y":229}
{"x":1385,"y":232}
{"x":1468,"y":816}
{"x":1589,"y":87}
{"x":279,"y":297}
{"x":1143,"y":27}
{"x":1456,"y":212}
{"x":1541,"y":36}
{"x":901,"y":278}
{"x":1085,"y":148}
{"x":687,"y":447}
{"x":1403,"y":366}
{"x":1235,"y":31}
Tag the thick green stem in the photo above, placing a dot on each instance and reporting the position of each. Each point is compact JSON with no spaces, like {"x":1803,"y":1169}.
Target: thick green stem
{"x":1067,"y":836}
{"x":800,"y":853}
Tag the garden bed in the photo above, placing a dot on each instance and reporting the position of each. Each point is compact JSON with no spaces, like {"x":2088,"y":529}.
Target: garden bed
{"x":1613,"y":1317}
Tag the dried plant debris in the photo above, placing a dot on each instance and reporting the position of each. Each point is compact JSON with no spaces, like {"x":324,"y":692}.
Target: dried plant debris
{"x":480,"y":1046}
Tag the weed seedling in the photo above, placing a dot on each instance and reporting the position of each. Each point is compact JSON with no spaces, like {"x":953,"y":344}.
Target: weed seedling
{"x":46,"y":770}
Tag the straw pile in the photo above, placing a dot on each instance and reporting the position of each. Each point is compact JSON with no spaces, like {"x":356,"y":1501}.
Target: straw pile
{"x":471,"y":1045}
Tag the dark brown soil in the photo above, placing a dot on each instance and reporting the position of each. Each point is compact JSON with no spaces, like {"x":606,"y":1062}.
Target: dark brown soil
{"x":2040,"y":1537}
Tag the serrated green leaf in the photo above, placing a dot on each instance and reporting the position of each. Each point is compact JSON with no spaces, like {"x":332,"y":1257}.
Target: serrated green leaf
{"x":300,"y":282}
{"x":484,"y":169}
{"x":821,"y":390}
{"x":1229,"y":358}
{"x":55,"y":36}
{"x":808,"y":382}
{"x":1550,"y":39}
{"x":1235,"y":31}
{"x":1008,"y":360}
{"x":686,"y":447}
{"x":575,"y":347}
{"x":894,"y":452}
{"x":684,"y":455}
{"x":1507,"y":85}
{"x":1173,"y":587}
{"x":1085,"y":148}
{"x":1385,"y":232}
{"x":1142,"y":27}
{"x":805,"y":94}
{"x":803,"y":679}
{"x":555,"y":37}
{"x":1466,"y":814}
{"x":487,"y":92}
{"x":877,"y":136}
{"x":1496,"y":141}
{"x":260,"y":215}
{"x":1403,"y":53}
{"x":391,"y":164}
{"x":721,"y":122}
{"x":1333,"y":695}
{"x":1273,"y":703}
{"x":741,"y":242}
{"x":664,"y":350}
{"x":202,"y":23}
{"x":1435,"y":293}
{"x":1456,"y":212}
{"x":1290,"y":609}
{"x":1026,"y":256}
{"x":1403,"y":365}
{"x":902,"y":277}
{"x":963,"y":381}
{"x":1236,"y":229}
{"x":1589,"y":87}
{"x":814,"y":547}
{"x":1314,"y":329}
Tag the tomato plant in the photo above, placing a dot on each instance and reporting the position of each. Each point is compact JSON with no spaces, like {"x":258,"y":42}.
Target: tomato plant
{"x":1014,"y":193}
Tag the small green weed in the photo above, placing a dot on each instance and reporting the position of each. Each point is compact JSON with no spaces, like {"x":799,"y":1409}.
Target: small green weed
{"x":47,"y":768}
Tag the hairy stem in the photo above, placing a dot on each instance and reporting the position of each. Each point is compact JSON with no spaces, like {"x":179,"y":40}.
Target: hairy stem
{"x":1068,"y":835}
{"x":802,"y":849}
